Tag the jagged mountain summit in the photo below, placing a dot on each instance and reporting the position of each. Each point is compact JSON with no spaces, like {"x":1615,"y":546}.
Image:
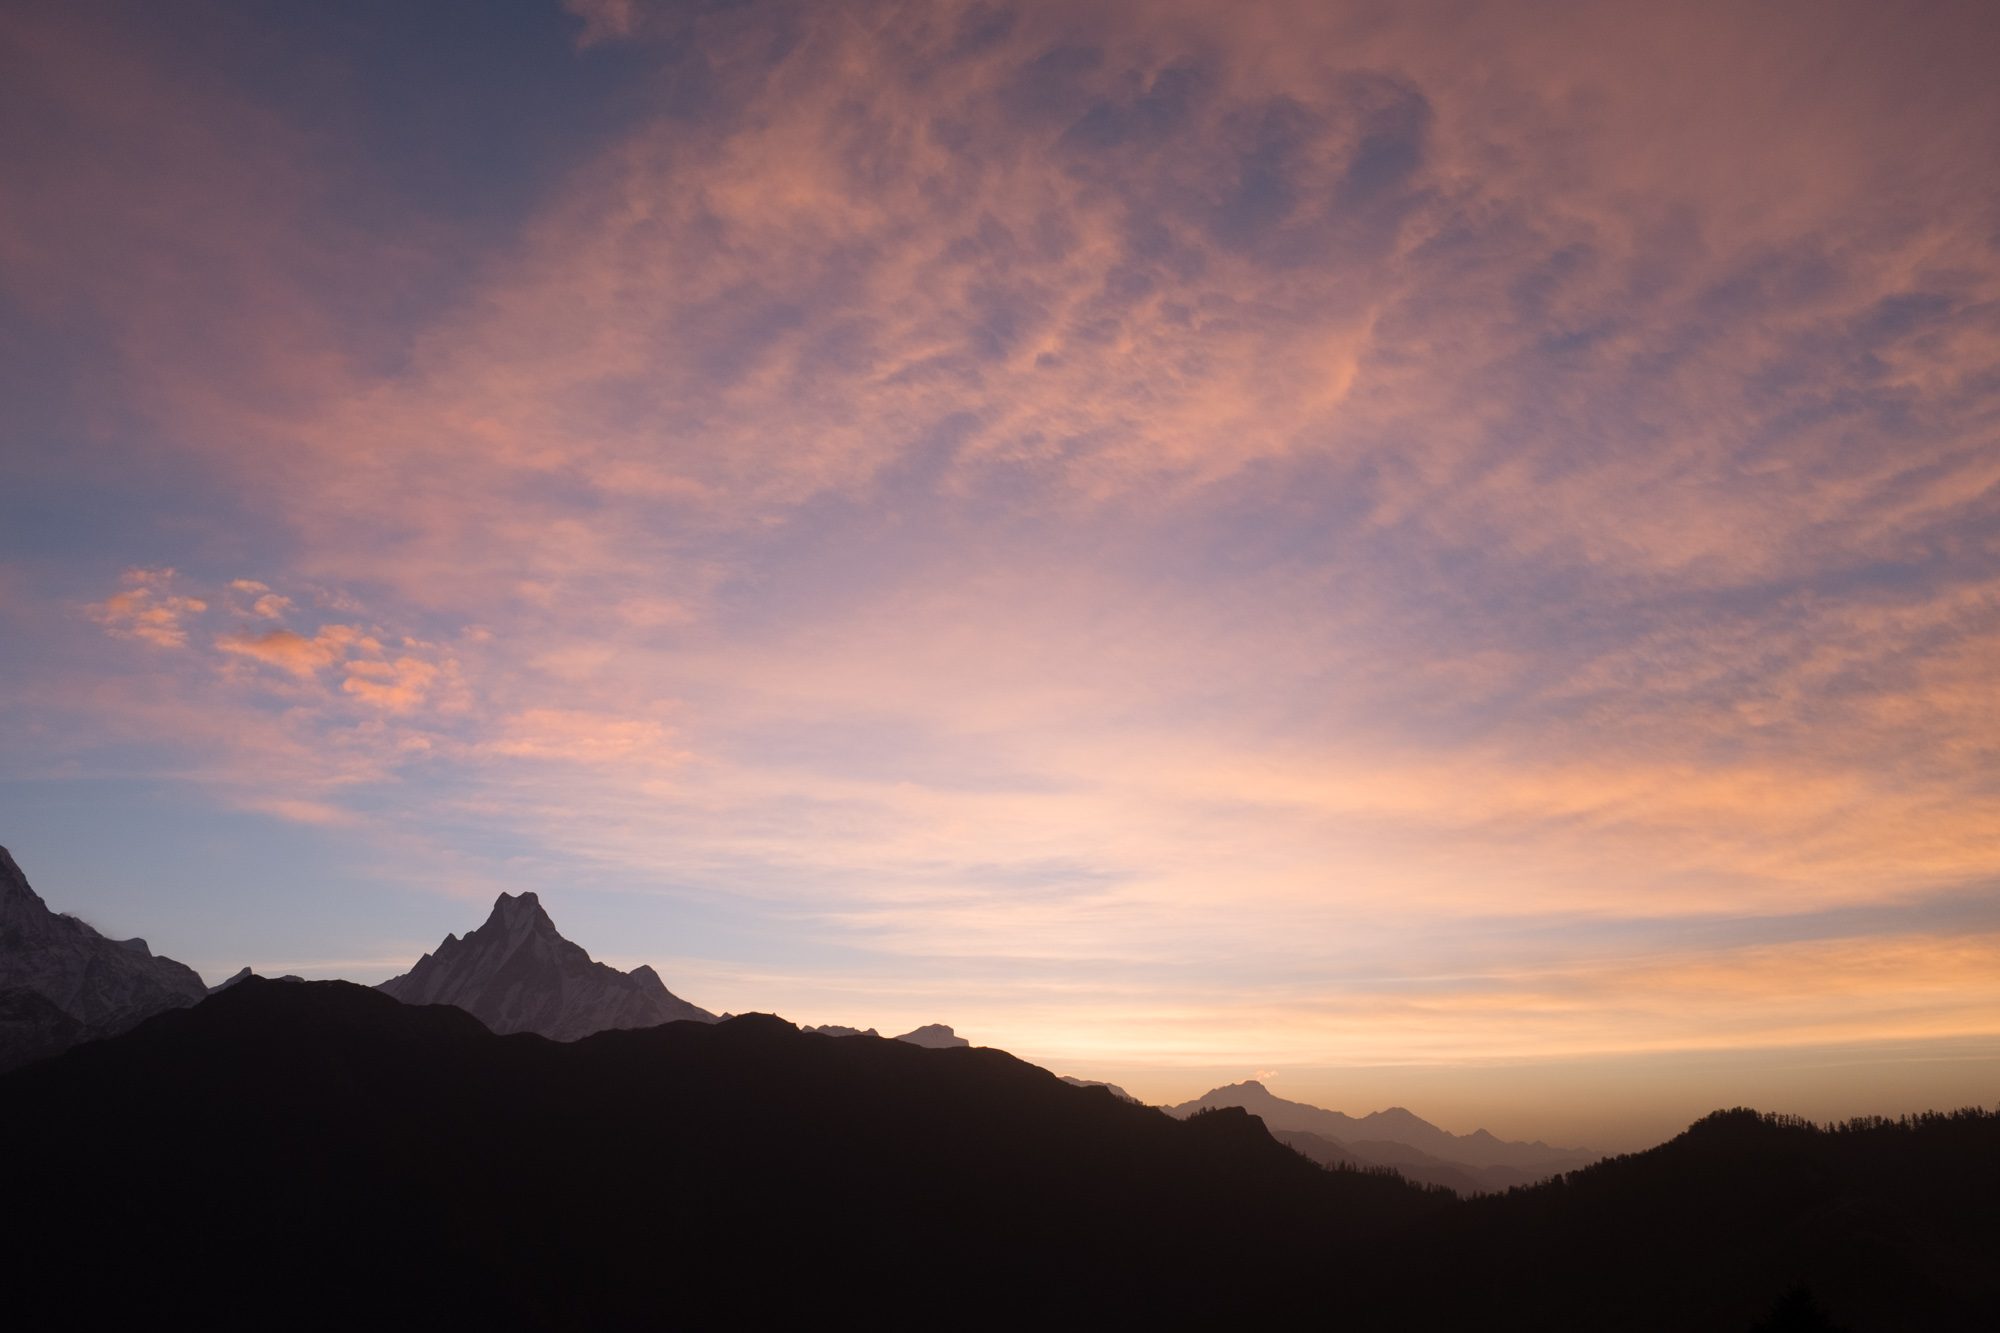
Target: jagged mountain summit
{"x":1380,"y":1129}
{"x":516,"y":973}
{"x":62,"y":983}
{"x":935,"y":1036}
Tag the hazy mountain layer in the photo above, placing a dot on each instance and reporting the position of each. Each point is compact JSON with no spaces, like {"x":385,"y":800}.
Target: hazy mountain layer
{"x":517,"y":974}
{"x":61,"y":982}
{"x":1414,"y":1164}
{"x":1395,"y":1125}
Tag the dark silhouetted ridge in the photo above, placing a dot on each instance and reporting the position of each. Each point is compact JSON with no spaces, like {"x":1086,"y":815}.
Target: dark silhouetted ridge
{"x":326,"y":1139}
{"x":324,"y":1150}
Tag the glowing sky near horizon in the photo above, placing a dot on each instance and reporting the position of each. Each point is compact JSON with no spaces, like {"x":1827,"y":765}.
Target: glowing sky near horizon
{"x":1458,"y":541}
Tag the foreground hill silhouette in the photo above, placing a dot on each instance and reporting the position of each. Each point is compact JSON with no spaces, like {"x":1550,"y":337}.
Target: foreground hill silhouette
{"x":1875,"y":1224}
{"x":320,"y":1147}
{"x":320,"y":1150}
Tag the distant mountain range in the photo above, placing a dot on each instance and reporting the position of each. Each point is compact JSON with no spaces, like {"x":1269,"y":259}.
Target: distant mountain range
{"x":320,"y":1149}
{"x":1468,"y":1163}
{"x":62,"y":983}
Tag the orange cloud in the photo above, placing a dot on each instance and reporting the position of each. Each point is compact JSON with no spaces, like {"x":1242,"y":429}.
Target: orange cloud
{"x":260,"y":601}
{"x":295,"y":653}
{"x":398,"y":686}
{"x":148,"y":609}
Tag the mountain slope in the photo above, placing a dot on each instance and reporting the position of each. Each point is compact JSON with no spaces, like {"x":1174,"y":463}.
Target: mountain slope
{"x":1396,"y":1125}
{"x":517,"y":974}
{"x":64,"y":983}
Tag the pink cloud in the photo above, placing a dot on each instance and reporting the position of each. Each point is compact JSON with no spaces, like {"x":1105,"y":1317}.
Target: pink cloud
{"x":398,"y":686}
{"x":148,"y":609}
{"x":258,"y":600}
{"x":295,"y":653}
{"x":583,"y":737}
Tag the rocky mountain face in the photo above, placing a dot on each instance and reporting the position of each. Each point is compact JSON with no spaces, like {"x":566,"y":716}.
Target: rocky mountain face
{"x":517,"y":974}
{"x":1396,"y":1137}
{"x":62,"y":983}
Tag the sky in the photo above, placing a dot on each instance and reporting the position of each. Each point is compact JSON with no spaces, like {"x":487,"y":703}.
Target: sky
{"x":1441,"y":554}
